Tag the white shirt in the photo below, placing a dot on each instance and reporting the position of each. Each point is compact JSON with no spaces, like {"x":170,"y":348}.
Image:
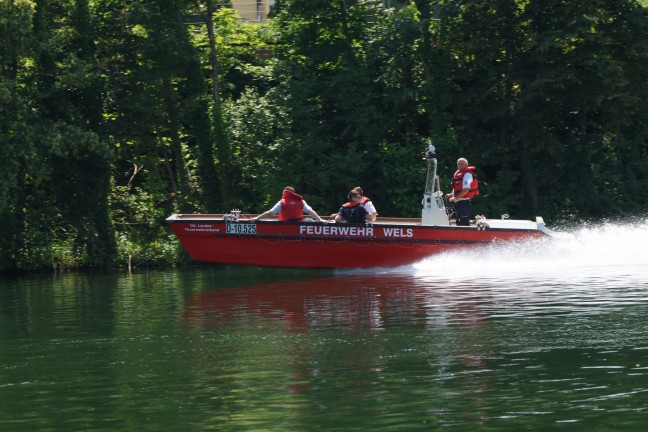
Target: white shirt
{"x":369,"y":207}
{"x":467,"y":179}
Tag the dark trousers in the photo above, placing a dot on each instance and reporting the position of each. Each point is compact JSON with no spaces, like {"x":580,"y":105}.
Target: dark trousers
{"x":462,"y":209}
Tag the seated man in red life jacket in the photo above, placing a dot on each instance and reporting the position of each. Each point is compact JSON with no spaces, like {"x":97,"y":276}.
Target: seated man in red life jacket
{"x":364,"y":202}
{"x":290,"y":208}
{"x":464,"y":187}
{"x":353,"y":211}
{"x":367,"y":204}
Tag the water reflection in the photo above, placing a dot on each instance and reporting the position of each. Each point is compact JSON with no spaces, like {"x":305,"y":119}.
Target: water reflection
{"x":537,"y":337}
{"x":534,"y":337}
{"x":350,"y":302}
{"x":376,"y":302}
{"x":448,"y":354}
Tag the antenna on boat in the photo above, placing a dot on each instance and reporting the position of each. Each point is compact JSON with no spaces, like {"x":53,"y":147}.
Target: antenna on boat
{"x":434,"y":211}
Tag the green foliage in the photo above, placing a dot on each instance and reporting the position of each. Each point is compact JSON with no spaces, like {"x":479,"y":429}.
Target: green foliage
{"x":111,"y":118}
{"x":257,"y":129}
{"x":138,"y":216}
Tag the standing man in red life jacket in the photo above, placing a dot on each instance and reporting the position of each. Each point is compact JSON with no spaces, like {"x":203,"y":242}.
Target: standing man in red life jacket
{"x":290,"y":208}
{"x":352,"y":211}
{"x":464,"y":187}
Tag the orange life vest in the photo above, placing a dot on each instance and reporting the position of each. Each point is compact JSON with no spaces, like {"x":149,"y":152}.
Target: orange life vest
{"x":292,"y":206}
{"x":457,"y":182}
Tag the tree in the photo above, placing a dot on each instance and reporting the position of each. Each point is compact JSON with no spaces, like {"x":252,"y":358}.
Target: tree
{"x":332,"y":104}
{"x":16,"y":43}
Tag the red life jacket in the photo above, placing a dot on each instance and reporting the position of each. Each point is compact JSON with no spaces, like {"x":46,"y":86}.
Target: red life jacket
{"x":292,"y":206}
{"x":364,"y":200}
{"x":457,"y":182}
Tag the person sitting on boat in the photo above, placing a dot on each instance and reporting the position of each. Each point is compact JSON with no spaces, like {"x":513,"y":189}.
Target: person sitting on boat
{"x":364,"y":202}
{"x":352,"y":211}
{"x":464,"y":187}
{"x":367,"y":204}
{"x":290,"y":208}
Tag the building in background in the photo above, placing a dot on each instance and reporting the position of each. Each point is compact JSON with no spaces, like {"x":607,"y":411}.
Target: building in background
{"x":253,"y":10}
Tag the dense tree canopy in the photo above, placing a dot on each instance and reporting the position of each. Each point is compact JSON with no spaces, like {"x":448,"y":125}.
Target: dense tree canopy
{"x":115,"y":114}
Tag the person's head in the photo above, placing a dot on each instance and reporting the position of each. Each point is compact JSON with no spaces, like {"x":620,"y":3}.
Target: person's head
{"x":462,"y":163}
{"x":353,"y":195}
{"x":290,"y":188}
{"x":358,"y":190}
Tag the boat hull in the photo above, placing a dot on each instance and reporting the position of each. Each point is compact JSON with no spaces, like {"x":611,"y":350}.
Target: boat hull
{"x":392,"y":243}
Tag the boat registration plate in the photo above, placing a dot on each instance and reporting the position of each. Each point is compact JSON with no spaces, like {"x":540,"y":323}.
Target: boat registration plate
{"x":241,"y":228}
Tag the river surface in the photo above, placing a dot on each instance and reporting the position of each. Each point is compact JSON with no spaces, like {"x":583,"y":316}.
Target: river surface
{"x":541,"y":336}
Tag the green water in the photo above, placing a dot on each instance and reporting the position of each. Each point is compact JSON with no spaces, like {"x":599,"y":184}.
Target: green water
{"x":245,"y":349}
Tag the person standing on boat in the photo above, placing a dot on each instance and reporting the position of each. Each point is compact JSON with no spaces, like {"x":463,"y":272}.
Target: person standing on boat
{"x":353,"y":211}
{"x":290,"y":208}
{"x":464,"y":187}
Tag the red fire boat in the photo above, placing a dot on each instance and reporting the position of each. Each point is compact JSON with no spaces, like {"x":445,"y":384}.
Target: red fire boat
{"x":234,"y":238}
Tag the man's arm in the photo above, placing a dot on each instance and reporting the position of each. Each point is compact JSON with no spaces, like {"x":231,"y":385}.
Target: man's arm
{"x":263,"y":215}
{"x":315,"y":215}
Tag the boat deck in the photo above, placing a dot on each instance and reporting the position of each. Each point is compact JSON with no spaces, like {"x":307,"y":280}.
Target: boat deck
{"x":248,"y":216}
{"x":538,"y":224}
